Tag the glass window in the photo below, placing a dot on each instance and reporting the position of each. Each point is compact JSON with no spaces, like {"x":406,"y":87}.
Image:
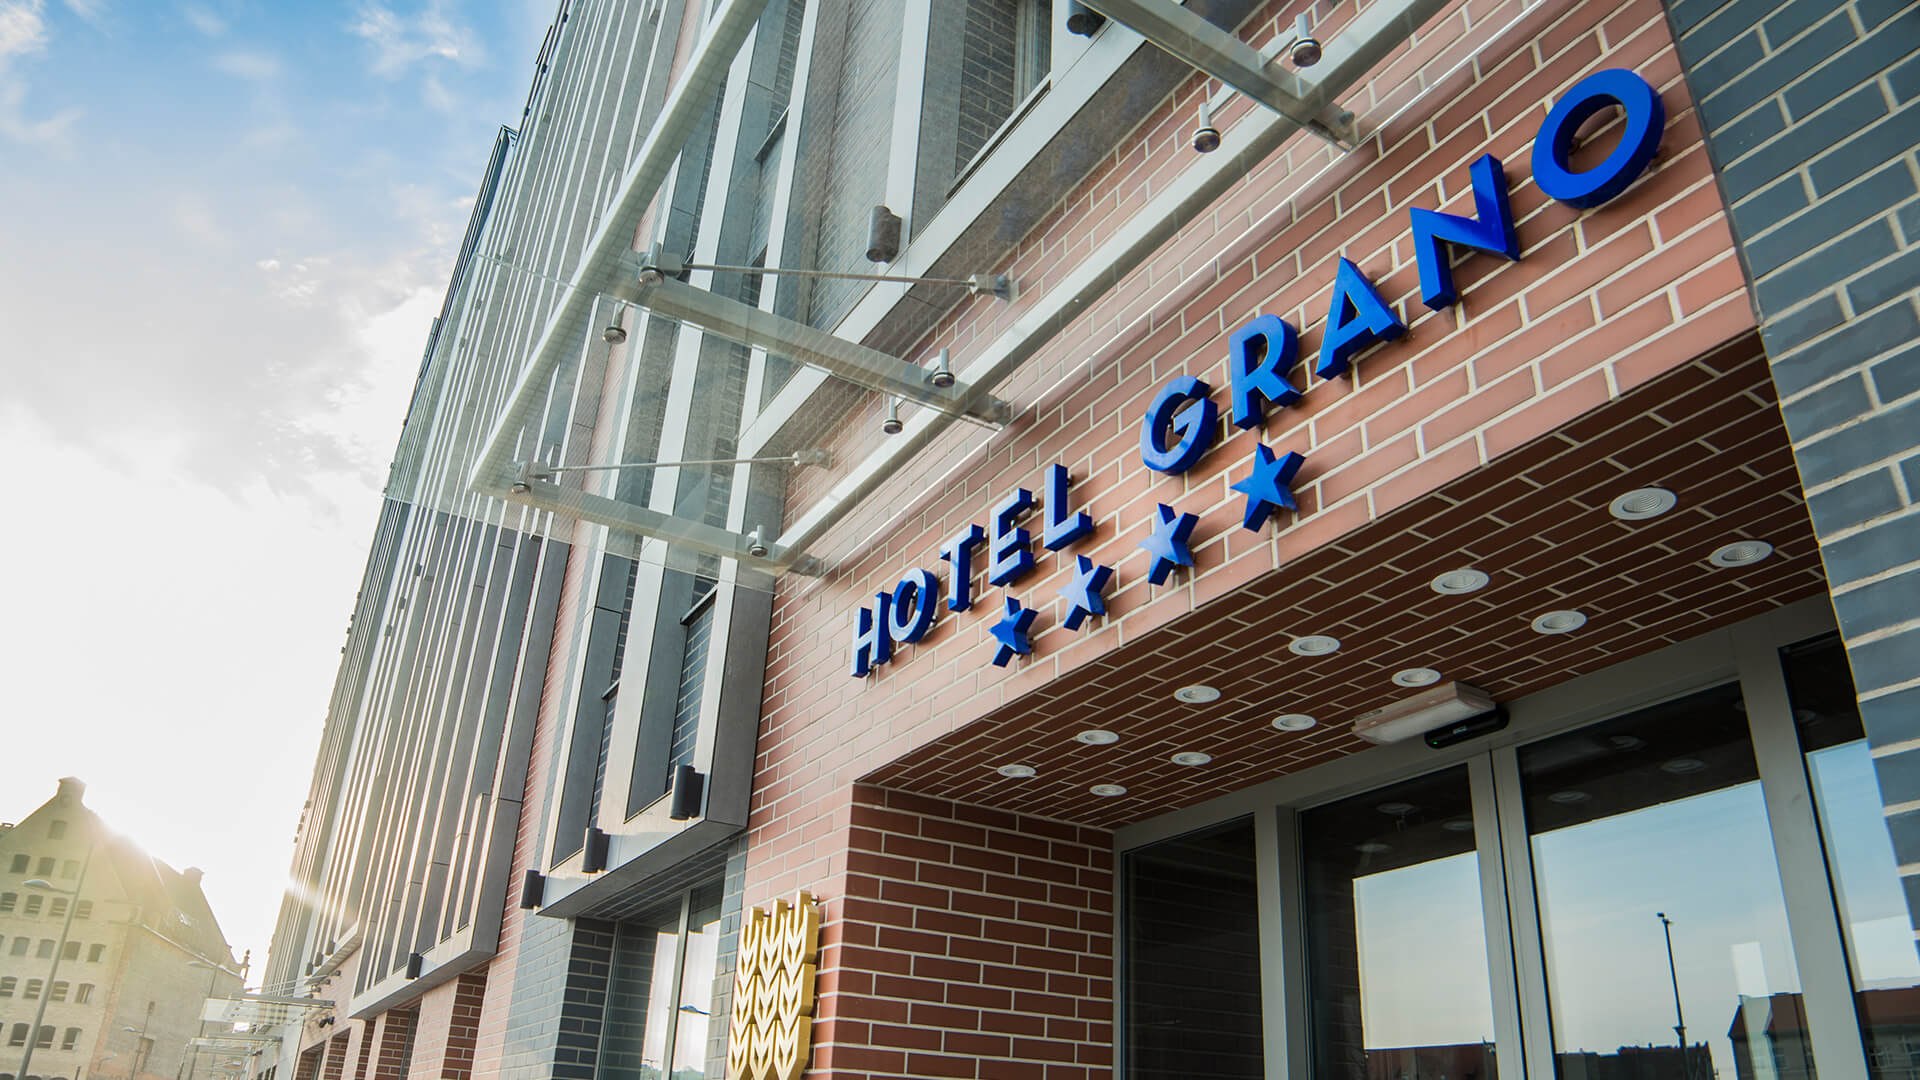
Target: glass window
{"x":83,"y":993}
{"x":95,"y":953}
{"x":1659,"y":895}
{"x":69,"y":868}
{"x":45,"y":951}
{"x":83,"y":910}
{"x":68,"y":1040}
{"x":21,"y":945}
{"x":71,"y":951}
{"x":45,"y":868}
{"x":58,"y":907}
{"x":640,"y":996}
{"x":696,"y":984}
{"x":33,"y":988}
{"x":19,"y":866}
{"x":34,"y":903}
{"x":8,"y":900}
{"x":7,"y":985}
{"x":1866,"y":876}
{"x":56,"y":829}
{"x":1193,"y":958}
{"x":18,"y":1036}
{"x":1001,"y":51}
{"x":44,"y":1040}
{"x":59,"y":990}
{"x":1396,"y":939}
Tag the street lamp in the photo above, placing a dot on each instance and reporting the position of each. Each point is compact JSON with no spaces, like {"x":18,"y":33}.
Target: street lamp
{"x":53,"y":970}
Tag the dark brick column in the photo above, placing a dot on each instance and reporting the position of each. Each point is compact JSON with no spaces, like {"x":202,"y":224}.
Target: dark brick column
{"x":1812,"y":112}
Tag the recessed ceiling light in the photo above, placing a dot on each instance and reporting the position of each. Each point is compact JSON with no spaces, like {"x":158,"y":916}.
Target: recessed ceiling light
{"x":1397,"y":809}
{"x":1315,"y":645}
{"x":1416,"y":676}
{"x":1372,"y":847}
{"x":1559,"y":622}
{"x":1458,"y":824}
{"x":1017,"y":772}
{"x":1642,"y":503}
{"x":1108,"y":791}
{"x":1568,"y":798}
{"x":1096,"y":737}
{"x":1191,"y":757}
{"x":1294,"y":721}
{"x":1196,"y":694}
{"x":1741,"y":553}
{"x":1681,"y":766}
{"x":1626,"y":742}
{"x":1456,"y":582}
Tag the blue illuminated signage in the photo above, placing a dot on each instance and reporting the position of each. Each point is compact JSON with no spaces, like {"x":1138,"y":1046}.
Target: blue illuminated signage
{"x":1182,"y":422}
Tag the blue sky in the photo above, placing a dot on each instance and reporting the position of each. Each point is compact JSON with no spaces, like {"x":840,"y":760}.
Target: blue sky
{"x":227,"y":226}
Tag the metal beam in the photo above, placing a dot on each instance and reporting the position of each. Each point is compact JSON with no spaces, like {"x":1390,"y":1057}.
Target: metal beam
{"x":839,"y":357}
{"x":1183,"y":33}
{"x":684,"y":533}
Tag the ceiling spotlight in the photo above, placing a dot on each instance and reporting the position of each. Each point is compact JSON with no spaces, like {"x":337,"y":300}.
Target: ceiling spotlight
{"x":1626,"y":742}
{"x":1017,"y":772}
{"x":1569,"y":798}
{"x":1191,"y":757}
{"x":1108,"y":791}
{"x":1096,"y":737}
{"x":1372,"y":847}
{"x":892,"y":425}
{"x":1206,"y":138}
{"x":1457,"y":582}
{"x":1741,"y":553}
{"x":1559,"y":622}
{"x":1416,"y":676}
{"x":1306,"y":48}
{"x":1196,"y":694}
{"x":614,"y":334}
{"x":942,"y":375}
{"x":1314,"y":645}
{"x":1294,"y":721}
{"x":1396,"y":809}
{"x":1458,"y":824}
{"x":1681,"y":766}
{"x":1642,"y":503}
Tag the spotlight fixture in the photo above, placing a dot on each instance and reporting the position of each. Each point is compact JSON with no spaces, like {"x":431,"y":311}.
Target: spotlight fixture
{"x":942,"y":375}
{"x":1108,"y":791}
{"x":1416,"y":676}
{"x":1642,"y":503}
{"x":892,"y":425}
{"x":1206,"y":138}
{"x":614,"y":334}
{"x":1569,"y":798}
{"x":1681,"y":766}
{"x":1559,"y":622}
{"x":1196,"y":694}
{"x":1459,"y":582}
{"x":1083,"y":20}
{"x":1372,"y":847}
{"x":1458,"y":824}
{"x":1306,"y":50}
{"x":1741,"y":553}
{"x":883,"y":235}
{"x":1096,"y":737}
{"x":1017,"y":772}
{"x":1191,"y":757}
{"x":1421,"y":713}
{"x":1294,"y":721}
{"x":1396,"y":809}
{"x":1314,"y":645}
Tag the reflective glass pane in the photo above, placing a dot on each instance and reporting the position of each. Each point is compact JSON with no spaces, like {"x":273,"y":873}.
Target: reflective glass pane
{"x":1193,"y":958}
{"x":690,"y":1034}
{"x":1396,"y":941}
{"x":639,"y":997}
{"x":1660,"y":902}
{"x":1866,"y":877}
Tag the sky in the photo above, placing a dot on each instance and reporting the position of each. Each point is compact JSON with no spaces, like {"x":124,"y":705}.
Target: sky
{"x":227,"y":227}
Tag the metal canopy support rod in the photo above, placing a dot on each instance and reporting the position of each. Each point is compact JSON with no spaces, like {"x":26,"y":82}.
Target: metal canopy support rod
{"x":1186,"y":35}
{"x":750,"y":551}
{"x":801,"y":457}
{"x":781,"y":336}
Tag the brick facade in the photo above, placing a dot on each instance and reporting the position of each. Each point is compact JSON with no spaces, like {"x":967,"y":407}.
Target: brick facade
{"x":1812,"y":108}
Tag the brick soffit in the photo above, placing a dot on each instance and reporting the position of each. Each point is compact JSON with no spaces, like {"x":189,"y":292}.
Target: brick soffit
{"x":1535,"y":519}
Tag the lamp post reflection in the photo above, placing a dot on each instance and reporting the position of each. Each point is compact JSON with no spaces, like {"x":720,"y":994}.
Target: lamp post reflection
{"x":1679,"y":1018}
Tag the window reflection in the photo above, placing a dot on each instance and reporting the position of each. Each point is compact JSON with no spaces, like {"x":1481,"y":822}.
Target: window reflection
{"x":1650,"y":818}
{"x":696,"y":986}
{"x":1193,"y":958}
{"x":1396,"y":941}
{"x":1866,"y":878}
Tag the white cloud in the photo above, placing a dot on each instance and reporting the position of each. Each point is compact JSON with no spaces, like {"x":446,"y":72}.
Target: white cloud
{"x":400,"y":41}
{"x":23,"y":32}
{"x":204,"y":21}
{"x":252,"y":66}
{"x":269,"y":265}
{"x":94,"y":11}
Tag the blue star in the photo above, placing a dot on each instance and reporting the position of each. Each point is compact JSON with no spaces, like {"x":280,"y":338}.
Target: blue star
{"x":1168,"y":543}
{"x":1267,"y":489}
{"x":1011,"y":632}
{"x":1083,"y":592}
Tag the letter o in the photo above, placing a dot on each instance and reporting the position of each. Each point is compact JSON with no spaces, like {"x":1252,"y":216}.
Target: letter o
{"x":1553,"y":145}
{"x":911,"y":614}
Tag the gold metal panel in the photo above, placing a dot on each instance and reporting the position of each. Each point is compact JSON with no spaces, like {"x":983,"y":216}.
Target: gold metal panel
{"x":770,"y":1033}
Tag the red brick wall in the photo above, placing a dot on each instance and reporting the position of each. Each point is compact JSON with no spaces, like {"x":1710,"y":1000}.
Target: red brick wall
{"x":446,"y":1026}
{"x":395,"y":1045}
{"x":335,"y":1065}
{"x":963,"y":942}
{"x":1602,"y":301}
